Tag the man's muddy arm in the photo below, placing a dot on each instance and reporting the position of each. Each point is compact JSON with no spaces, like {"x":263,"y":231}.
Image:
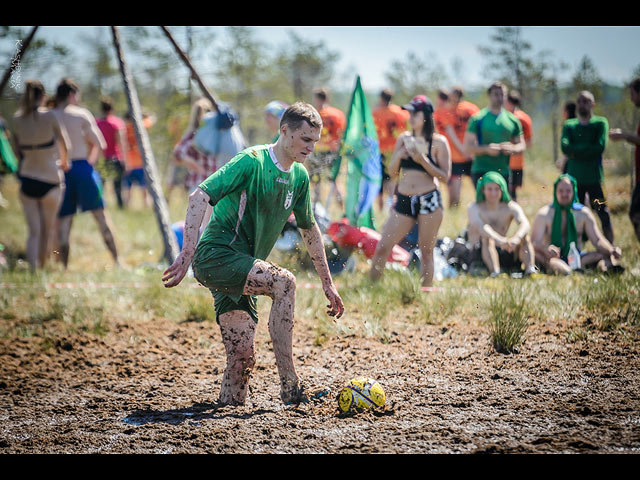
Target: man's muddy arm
{"x":198,"y":202}
{"x":315,"y":246}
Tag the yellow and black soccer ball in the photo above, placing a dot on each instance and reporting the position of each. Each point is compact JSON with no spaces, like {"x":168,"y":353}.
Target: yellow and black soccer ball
{"x":361,"y":393}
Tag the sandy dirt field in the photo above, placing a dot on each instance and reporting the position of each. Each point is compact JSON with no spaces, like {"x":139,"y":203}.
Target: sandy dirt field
{"x":152,"y":388}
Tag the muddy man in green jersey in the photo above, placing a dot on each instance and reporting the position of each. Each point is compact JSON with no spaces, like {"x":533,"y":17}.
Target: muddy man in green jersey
{"x":252,"y":197}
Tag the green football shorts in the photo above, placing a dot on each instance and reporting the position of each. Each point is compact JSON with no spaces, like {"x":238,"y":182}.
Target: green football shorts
{"x":224,"y":272}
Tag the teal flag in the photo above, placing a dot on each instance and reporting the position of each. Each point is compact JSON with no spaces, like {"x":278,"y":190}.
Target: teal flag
{"x":361,"y":151}
{"x":8,"y":161}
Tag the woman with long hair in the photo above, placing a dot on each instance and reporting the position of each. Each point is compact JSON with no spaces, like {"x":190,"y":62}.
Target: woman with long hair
{"x":421,"y":159}
{"x":200,"y":165}
{"x":42,"y":145}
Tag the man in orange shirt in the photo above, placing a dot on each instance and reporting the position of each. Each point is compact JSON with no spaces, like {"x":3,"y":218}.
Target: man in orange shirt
{"x":391,"y":120}
{"x":134,"y":166}
{"x":443,"y":115}
{"x":326,"y":153}
{"x":453,"y":126}
{"x":516,"y":162}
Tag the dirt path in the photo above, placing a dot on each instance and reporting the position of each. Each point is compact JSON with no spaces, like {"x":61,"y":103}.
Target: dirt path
{"x":152,"y":388}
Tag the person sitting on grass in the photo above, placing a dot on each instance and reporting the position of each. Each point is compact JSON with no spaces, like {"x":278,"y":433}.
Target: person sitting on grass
{"x":490,"y":217}
{"x":565,"y":221}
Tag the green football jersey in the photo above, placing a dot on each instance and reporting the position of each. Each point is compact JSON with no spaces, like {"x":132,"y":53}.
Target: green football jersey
{"x":252,"y":198}
{"x":491,"y":128}
{"x":584,"y":146}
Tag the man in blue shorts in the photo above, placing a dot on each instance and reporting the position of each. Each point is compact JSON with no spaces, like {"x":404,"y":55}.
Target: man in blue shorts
{"x":83,"y":184}
{"x":252,"y":197}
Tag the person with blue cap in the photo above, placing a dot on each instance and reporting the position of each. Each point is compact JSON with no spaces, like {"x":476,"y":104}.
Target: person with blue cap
{"x":272,"y":114}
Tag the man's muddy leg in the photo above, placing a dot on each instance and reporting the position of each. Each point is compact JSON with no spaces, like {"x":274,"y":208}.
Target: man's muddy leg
{"x":238,"y":332}
{"x":268,"y":279}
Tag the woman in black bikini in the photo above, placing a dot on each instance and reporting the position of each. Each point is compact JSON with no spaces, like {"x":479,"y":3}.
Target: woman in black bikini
{"x":422,"y":159}
{"x":42,"y":145}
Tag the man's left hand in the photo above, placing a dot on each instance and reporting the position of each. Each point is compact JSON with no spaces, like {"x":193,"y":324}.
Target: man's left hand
{"x":336,"y":307}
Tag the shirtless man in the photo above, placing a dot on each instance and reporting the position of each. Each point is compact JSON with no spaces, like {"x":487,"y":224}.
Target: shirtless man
{"x":83,"y":185}
{"x":490,"y":217}
{"x":252,"y":197}
{"x":564,"y":221}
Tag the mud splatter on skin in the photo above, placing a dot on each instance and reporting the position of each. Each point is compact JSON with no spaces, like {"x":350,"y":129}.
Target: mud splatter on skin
{"x":315,"y":246}
{"x":238,"y":331}
{"x":196,"y":209}
{"x":280,"y":285}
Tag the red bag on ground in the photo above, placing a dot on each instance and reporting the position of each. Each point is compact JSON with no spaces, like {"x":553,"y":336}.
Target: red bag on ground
{"x":365,"y":239}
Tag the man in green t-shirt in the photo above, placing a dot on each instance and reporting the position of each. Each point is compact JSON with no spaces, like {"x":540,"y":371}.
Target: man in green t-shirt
{"x":584,"y":139}
{"x":252,"y":197}
{"x":493,"y":135}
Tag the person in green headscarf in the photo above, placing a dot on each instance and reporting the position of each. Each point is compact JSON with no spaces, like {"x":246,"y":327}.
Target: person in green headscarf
{"x":565,"y":221}
{"x":490,"y":217}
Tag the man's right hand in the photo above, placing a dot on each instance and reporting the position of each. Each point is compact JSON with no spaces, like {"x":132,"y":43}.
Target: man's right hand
{"x":494,"y":149}
{"x":173,"y":275}
{"x":616,"y":134}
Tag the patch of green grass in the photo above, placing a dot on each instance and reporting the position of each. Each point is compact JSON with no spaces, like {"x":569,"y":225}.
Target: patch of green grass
{"x":201,"y":310}
{"x":508,"y":318}
{"x":578,"y":334}
{"x":375,"y":310}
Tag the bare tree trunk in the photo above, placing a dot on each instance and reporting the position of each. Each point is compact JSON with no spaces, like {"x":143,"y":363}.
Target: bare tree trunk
{"x":555,"y":101}
{"x":171,"y":249}
{"x":207,"y":93}
{"x":20,"y":54}
{"x":189,"y":49}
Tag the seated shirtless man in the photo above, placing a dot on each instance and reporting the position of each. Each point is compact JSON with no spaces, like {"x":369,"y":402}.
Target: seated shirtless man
{"x":564,"y":221}
{"x":490,"y":217}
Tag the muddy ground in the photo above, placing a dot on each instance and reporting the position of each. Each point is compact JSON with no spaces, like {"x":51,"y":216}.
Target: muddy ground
{"x":152,"y":388}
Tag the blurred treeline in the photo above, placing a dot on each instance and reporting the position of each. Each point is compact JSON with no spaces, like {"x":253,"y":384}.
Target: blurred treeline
{"x":247,"y":73}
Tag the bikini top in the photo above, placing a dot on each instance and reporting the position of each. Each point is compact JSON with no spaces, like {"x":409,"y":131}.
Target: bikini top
{"x":409,"y":164}
{"x":42,"y":146}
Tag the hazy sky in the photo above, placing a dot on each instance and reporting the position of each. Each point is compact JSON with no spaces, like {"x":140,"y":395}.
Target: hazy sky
{"x":369,"y":51}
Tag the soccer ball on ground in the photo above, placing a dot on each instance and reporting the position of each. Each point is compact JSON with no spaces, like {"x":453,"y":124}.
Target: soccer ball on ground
{"x":361,"y":393}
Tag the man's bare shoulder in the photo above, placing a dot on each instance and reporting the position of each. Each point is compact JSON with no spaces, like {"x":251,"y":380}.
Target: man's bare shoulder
{"x":513,"y":206}
{"x":584,"y":213}
{"x":545,"y":211}
{"x":74,"y":111}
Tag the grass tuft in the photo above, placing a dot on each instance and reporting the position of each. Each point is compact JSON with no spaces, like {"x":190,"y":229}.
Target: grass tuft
{"x":509,"y":319}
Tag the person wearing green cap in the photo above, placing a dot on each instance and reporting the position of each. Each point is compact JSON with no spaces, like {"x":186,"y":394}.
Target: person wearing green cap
{"x":565,"y":221}
{"x":490,"y":217}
